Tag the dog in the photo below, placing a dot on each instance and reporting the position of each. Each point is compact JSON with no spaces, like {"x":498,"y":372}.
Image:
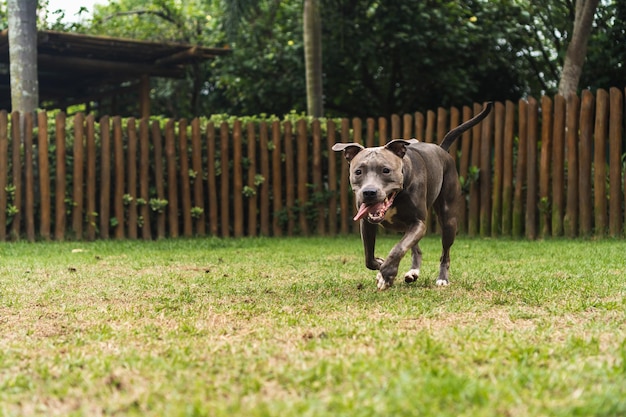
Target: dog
{"x":395,"y":185}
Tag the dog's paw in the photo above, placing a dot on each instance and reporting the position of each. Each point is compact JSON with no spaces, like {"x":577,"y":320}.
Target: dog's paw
{"x":374,"y":263}
{"x":442,"y":282}
{"x":412,"y":275}
{"x":381,"y":283}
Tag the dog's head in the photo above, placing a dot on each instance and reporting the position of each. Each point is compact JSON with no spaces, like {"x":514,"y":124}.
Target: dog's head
{"x":375,"y":175}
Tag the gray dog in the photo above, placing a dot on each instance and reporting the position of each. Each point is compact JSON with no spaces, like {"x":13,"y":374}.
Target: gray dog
{"x":395,"y":185}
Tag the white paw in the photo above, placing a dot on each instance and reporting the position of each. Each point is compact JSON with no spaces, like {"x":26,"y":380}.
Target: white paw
{"x":412,"y":275}
{"x":442,"y":283}
{"x":381,"y":283}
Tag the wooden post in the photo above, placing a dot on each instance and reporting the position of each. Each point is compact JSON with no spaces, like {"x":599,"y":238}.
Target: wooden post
{"x":118,"y":194}
{"x":185,"y":186}
{"x":473,"y":220}
{"x":507,"y":170}
{"x":498,"y":166}
{"x":600,"y":178}
{"x":371,"y":132}
{"x":78,"y":196}
{"x":429,"y":135}
{"x":570,"y":222}
{"x":90,"y":201}
{"x":211,"y":180}
{"x":16,"y":133}
{"x":105,"y":177}
{"x":290,"y":195}
{"x":316,"y":170}
{"x":237,"y":180}
{"x":520,"y":172}
{"x":253,"y":198}
{"x":159,"y":175}
{"x":544,"y":166}
{"x":407,"y":126}
{"x":419,"y":126}
{"x":531,"y":176}
{"x":303,"y":180}
{"x":615,"y":163}
{"x":466,"y":154}
{"x":264,"y":211}
{"x":558,"y":166}
{"x":395,"y":127}
{"x":344,"y":198}
{"x":59,"y":181}
{"x":277,"y":190}
{"x":455,"y":117}
{"x":332,"y":173}
{"x":224,"y":180}
{"x":198,"y":182}
{"x":357,"y":130}
{"x":382,"y":131}
{"x":29,"y":176}
{"x":585,"y":148}
{"x":442,"y":125}
{"x":485,"y":174}
{"x":131,"y":180}
{"x":144,"y":178}
{"x":44,"y":177}
{"x":172,"y":178}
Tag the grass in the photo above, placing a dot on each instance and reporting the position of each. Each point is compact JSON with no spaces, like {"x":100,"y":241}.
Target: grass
{"x":295,"y":327}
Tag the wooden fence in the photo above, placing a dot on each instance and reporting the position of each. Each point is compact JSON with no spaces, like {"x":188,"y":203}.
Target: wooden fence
{"x":533,"y":169}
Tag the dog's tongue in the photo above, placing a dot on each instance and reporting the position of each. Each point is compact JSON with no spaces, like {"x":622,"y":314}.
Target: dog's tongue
{"x":364,"y":210}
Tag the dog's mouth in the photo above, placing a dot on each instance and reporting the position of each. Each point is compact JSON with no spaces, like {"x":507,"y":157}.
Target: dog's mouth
{"x":375,"y":212}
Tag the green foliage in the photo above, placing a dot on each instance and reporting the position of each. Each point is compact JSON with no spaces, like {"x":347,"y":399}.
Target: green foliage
{"x":378,"y":57}
{"x":127,"y":199}
{"x":473,"y":175}
{"x":197,"y":212}
{"x":157,"y":205}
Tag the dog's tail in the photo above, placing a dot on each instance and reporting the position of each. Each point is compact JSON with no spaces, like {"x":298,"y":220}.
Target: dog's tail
{"x":452,"y":135}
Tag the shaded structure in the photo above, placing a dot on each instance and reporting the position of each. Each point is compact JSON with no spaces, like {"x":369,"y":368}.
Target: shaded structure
{"x":76,"y":69}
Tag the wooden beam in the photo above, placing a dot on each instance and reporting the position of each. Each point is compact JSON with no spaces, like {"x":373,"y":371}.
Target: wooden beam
{"x":95,"y":65}
{"x":177,"y":57}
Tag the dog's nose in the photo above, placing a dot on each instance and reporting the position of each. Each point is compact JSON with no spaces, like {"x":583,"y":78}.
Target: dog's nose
{"x":369,"y":193}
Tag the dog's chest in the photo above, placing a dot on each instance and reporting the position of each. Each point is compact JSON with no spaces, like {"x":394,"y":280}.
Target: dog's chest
{"x":394,"y":220}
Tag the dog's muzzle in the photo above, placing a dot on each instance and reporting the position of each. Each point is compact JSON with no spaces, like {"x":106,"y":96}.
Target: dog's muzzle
{"x":375,"y":212}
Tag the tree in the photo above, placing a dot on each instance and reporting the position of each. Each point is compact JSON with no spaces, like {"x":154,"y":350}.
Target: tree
{"x":312,"y":31}
{"x":605,"y":64}
{"x":22,"y":17}
{"x":379,"y":57}
{"x":577,"y":48}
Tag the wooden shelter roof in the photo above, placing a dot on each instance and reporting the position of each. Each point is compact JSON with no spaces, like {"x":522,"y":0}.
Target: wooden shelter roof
{"x":75,"y":68}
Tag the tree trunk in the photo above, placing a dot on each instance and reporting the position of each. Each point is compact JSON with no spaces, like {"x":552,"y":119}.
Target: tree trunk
{"x":577,"y":48}
{"x":22,"y":16}
{"x":312,"y":26}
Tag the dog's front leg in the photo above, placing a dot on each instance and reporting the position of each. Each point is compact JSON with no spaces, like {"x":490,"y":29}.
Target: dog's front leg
{"x":389,"y":268}
{"x":368,"y":236}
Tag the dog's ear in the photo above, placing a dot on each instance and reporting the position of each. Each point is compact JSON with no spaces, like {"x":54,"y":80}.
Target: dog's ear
{"x":349,"y":149}
{"x":398,"y":146}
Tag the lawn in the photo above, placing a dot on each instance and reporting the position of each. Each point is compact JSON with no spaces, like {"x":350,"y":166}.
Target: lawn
{"x":295,"y":327}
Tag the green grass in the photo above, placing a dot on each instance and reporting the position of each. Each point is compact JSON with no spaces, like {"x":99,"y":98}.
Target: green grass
{"x":295,"y":327}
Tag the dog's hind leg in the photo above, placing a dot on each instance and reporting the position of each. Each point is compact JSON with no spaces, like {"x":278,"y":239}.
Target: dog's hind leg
{"x":416,"y":262}
{"x":448,"y":223}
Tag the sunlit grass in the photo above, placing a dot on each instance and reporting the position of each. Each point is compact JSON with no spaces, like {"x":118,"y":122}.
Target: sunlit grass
{"x":295,"y":327}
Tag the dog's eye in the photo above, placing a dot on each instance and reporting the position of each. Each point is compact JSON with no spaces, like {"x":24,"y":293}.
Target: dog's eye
{"x":386,"y":170}
{"x":358,"y":172}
